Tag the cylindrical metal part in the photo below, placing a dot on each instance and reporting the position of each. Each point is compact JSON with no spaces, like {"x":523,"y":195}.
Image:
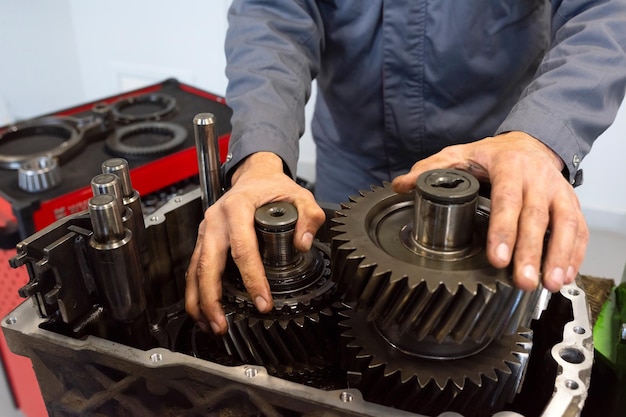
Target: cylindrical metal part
{"x":106,"y":218}
{"x":132,"y":200}
{"x":108,"y":184}
{"x":275,"y":226}
{"x":119,"y":167}
{"x":39,"y":174}
{"x":445,"y":207}
{"x":207,"y":149}
{"x":117,"y":267}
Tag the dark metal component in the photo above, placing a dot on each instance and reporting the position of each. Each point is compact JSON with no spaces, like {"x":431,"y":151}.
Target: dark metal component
{"x":288,"y":337}
{"x":142,"y":108}
{"x":445,"y":206}
{"x":432,"y":306}
{"x":208,"y":152}
{"x":60,"y":129}
{"x":117,"y":267}
{"x":109,"y":184}
{"x":296,"y":341}
{"x":275,"y":226}
{"x":39,"y":174}
{"x":157,"y":139}
{"x":132,"y":200}
{"x":474,"y":386}
{"x":106,"y":218}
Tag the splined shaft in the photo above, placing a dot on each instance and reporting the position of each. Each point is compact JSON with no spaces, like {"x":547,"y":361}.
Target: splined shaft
{"x":445,"y":206}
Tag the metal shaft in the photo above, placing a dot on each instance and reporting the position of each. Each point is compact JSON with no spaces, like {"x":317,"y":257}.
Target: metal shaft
{"x":117,"y":267}
{"x":445,"y":206}
{"x":108,"y":184}
{"x":275,"y":225}
{"x":106,"y":219}
{"x":207,"y":149}
{"x":132,"y":200}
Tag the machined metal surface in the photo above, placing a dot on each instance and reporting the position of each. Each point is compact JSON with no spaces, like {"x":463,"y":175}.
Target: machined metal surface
{"x":154,"y":106}
{"x":439,"y":306}
{"x":146,"y":139}
{"x":131,"y":200}
{"x":65,"y":134}
{"x":39,"y":174}
{"x":96,"y":353}
{"x":208,"y":153}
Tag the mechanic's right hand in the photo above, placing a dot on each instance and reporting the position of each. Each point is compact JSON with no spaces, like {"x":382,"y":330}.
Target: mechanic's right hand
{"x":229,"y":224}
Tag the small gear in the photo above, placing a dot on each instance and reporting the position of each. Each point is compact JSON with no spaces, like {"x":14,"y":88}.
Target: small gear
{"x":300,"y":333}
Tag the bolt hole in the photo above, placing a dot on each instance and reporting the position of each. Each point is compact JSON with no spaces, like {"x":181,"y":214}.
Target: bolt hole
{"x":156,"y":357}
{"x":346,"y":397}
{"x":573,"y":292}
{"x":10,"y":321}
{"x":277,"y":211}
{"x":572,"y":355}
{"x":573,"y":385}
{"x":251,"y":372}
{"x":579,"y":330}
{"x":445,"y":182}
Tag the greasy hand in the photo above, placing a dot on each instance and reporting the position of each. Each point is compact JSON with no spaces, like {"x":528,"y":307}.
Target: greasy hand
{"x":528,"y":196}
{"x":229,"y":224}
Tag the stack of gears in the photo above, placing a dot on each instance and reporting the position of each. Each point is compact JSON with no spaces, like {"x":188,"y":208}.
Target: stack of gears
{"x":422,"y":320}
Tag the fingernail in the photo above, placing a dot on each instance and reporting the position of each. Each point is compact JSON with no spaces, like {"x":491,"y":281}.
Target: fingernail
{"x":557,"y":276}
{"x":215,"y":327}
{"x":502,"y":252}
{"x":307,"y":240}
{"x":530,"y":274}
{"x":571,"y":275}
{"x":260,"y":303}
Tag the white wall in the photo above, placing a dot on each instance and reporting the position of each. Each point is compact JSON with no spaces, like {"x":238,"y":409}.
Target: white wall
{"x":55,"y":54}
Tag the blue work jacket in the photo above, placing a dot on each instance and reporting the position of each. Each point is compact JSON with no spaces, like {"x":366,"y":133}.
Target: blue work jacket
{"x":398,"y":80}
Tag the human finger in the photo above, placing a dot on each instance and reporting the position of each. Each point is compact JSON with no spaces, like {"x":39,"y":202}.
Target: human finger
{"x":310,"y":219}
{"x":567,"y":240}
{"x":192,"y":292}
{"x":244,"y":249}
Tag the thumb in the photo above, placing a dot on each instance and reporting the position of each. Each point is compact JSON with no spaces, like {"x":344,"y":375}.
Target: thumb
{"x":406,"y":182}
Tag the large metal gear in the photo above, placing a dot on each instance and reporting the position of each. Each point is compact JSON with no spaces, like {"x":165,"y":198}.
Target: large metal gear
{"x":423,"y":290}
{"x":473,"y":386}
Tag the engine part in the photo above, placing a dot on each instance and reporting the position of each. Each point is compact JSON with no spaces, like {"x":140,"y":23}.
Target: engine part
{"x":146,"y":139}
{"x":155,"y":106}
{"x":132,"y":200}
{"x":95,"y":354}
{"x":477,"y":385}
{"x":436,"y":327}
{"x":294,"y":337}
{"x":208,"y":152}
{"x":63,"y":133}
{"x":434,"y":297}
{"x":39,"y":174}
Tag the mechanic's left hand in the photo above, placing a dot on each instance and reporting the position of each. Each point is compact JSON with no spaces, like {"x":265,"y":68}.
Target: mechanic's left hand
{"x":528,"y":195}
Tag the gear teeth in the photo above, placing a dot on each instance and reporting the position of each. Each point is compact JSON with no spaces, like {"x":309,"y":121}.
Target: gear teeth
{"x":428,"y":299}
{"x":475,"y":386}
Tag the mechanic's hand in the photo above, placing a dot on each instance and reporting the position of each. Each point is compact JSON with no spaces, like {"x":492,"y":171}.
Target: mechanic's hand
{"x":528,"y":196}
{"x":229,"y":224}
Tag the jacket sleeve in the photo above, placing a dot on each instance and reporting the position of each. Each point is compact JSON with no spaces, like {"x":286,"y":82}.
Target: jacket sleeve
{"x":580,"y":82}
{"x":273,"y":54}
